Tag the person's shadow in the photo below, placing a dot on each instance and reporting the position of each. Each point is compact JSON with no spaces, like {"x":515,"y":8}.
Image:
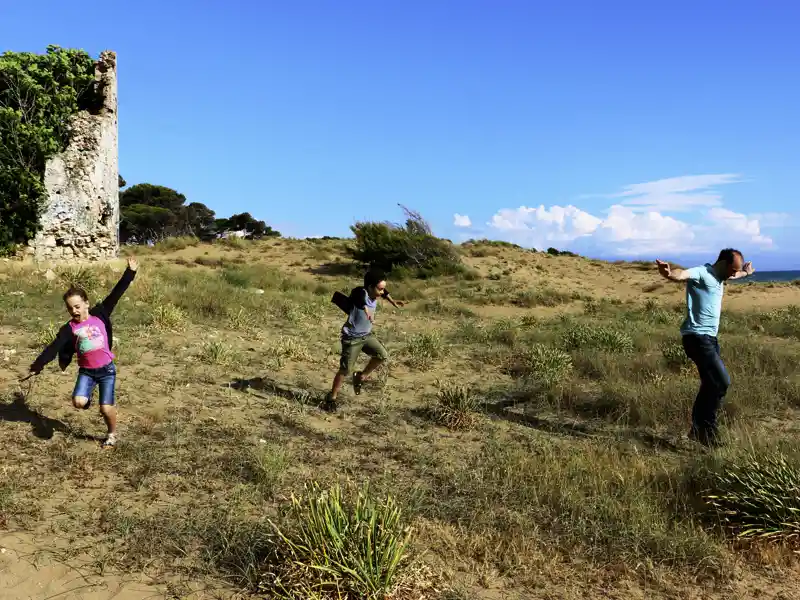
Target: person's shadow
{"x":18,"y":411}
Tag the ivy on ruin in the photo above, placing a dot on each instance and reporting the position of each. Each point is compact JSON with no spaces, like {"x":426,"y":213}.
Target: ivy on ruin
{"x":39,"y":93}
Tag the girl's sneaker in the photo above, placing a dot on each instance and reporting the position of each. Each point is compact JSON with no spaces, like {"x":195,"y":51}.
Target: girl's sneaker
{"x":110,"y":441}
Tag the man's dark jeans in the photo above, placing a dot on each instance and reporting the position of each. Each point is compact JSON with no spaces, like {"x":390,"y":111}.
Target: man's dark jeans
{"x":703,"y":350}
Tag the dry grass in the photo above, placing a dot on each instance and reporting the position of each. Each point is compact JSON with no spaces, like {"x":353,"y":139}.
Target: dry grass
{"x":561,"y":468}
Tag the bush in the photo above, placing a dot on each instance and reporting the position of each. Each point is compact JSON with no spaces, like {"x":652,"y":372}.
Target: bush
{"x":543,"y":364}
{"x":176,"y":243}
{"x":752,"y":493}
{"x":339,"y":548}
{"x":675,"y":356}
{"x":45,"y":335}
{"x":38,"y":96}
{"x":168,"y":317}
{"x":403,"y":250}
{"x":286,"y":348}
{"x":237,"y":277}
{"x":456,"y":407}
{"x":85,"y":278}
{"x":217,"y":353}
{"x":423,"y":349}
{"x":584,"y":336}
{"x":543,"y":297}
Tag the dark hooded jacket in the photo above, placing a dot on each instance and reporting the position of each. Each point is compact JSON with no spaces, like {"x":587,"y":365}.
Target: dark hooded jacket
{"x":63,"y":346}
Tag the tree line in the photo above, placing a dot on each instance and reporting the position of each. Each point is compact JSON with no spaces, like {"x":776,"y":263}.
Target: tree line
{"x":151,"y":213}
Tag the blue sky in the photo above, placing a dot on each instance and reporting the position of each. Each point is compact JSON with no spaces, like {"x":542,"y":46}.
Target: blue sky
{"x":615,"y":128}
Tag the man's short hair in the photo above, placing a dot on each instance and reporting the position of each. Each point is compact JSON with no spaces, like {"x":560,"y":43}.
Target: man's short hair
{"x":373,"y":277}
{"x":727,"y":255}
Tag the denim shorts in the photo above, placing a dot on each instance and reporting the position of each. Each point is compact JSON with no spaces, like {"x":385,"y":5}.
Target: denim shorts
{"x":104,"y":378}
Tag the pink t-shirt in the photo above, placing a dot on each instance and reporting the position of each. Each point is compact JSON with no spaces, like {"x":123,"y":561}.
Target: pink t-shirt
{"x":91,"y":343}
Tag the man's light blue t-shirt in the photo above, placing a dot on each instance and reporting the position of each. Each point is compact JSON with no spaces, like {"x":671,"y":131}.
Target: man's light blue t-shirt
{"x":703,"y":302}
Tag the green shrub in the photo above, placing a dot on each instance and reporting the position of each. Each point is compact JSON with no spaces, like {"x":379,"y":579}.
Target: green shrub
{"x":411,"y":249}
{"x":87,"y":278}
{"x":675,"y":356}
{"x":236,"y":277}
{"x":217,"y":353}
{"x":424,"y":349}
{"x":543,"y":297}
{"x":336,"y":548}
{"x":168,"y":317}
{"x":457,"y":406}
{"x":38,"y":96}
{"x":603,"y":338}
{"x":504,"y":331}
{"x":45,"y":335}
{"x":542,"y":364}
{"x":176,"y":243}
{"x":751,"y":493}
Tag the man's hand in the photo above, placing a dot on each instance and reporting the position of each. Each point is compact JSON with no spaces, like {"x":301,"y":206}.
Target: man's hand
{"x":398,"y":303}
{"x":664,"y":269}
{"x":747,"y":270}
{"x":133,"y":264}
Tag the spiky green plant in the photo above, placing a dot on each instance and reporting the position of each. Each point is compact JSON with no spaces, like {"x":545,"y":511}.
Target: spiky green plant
{"x":424,"y":349}
{"x":45,"y":335}
{"x":217,"y":353}
{"x":586,"y":336}
{"x":457,"y":406}
{"x":675,"y":356}
{"x":542,"y":364}
{"x":342,"y":548}
{"x":168,"y":317}
{"x":81,"y":276}
{"x":756,"y":494}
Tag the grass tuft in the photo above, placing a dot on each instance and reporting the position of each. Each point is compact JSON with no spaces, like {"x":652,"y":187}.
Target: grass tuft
{"x":336,"y":547}
{"x":752,"y":493}
{"x":423,"y":350}
{"x":457,"y":406}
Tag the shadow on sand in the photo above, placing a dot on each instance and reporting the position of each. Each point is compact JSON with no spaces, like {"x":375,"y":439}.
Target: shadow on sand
{"x":18,"y":411}
{"x":579,"y":429}
{"x":274,"y":388}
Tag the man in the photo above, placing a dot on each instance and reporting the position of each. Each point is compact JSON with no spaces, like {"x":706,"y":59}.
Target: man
{"x":704,"y":289}
{"x":357,"y":335}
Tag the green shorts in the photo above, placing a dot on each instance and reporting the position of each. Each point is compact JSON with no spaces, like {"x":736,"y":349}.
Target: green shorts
{"x":352,"y":347}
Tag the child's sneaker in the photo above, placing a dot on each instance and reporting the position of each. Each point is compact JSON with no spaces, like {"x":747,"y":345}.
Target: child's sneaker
{"x":358,"y":381}
{"x":329,"y":404}
{"x":110,"y":441}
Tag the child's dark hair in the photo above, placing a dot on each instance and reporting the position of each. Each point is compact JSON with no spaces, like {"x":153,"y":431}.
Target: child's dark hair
{"x":373,"y":277}
{"x":76,"y":291}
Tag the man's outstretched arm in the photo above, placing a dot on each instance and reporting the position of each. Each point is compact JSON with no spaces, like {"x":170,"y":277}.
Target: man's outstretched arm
{"x":747,"y":270}
{"x":672,"y":274}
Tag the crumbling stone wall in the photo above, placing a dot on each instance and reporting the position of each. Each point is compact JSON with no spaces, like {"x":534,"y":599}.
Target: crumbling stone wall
{"x":80,"y":217}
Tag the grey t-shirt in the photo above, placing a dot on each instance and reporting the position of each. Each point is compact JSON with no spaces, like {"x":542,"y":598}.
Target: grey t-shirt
{"x":358,"y":325}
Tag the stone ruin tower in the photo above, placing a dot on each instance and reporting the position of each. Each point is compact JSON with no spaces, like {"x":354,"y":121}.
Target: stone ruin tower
{"x":80,"y":216}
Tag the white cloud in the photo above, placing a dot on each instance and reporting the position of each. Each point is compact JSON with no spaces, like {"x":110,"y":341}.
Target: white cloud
{"x":677,"y":194}
{"x":556,"y":223}
{"x":623,"y":231}
{"x":635,"y":225}
{"x":462,"y":220}
{"x":738,"y":226}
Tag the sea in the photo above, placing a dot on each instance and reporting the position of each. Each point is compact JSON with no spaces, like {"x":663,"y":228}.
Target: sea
{"x":770,"y":277}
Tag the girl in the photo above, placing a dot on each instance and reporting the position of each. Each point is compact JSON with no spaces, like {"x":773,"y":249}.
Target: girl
{"x":89,"y":334}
